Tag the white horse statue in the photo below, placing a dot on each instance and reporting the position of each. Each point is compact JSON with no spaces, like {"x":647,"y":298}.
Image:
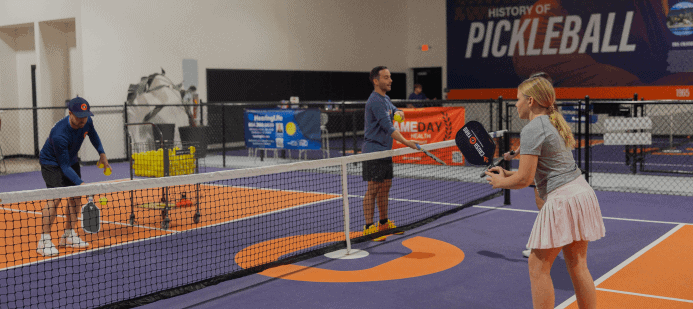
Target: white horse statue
{"x":147,"y":102}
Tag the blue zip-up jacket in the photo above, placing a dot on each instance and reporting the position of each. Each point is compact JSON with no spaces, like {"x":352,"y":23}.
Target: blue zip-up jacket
{"x":63,"y":144}
{"x":378,"y":123}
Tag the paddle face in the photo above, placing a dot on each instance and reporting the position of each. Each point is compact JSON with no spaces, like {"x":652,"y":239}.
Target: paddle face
{"x":91,"y":218}
{"x":475,"y":143}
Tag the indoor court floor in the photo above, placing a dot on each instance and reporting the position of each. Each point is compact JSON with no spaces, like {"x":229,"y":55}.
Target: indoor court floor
{"x":469,"y":259}
{"x":473,"y":259}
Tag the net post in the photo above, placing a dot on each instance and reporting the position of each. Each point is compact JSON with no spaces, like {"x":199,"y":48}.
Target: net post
{"x":345,"y":204}
{"x":506,"y":141}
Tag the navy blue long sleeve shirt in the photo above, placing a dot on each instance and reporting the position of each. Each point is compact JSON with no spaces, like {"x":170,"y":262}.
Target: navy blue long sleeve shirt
{"x":378,"y":123}
{"x":63,"y":144}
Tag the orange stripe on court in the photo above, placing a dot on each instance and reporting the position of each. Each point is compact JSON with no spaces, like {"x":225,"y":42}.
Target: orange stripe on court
{"x":428,"y":256}
{"x":19,"y":223}
{"x":665,"y":270}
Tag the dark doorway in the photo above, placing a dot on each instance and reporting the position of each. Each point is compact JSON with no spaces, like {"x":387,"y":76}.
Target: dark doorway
{"x":34,"y":105}
{"x":431,"y":79}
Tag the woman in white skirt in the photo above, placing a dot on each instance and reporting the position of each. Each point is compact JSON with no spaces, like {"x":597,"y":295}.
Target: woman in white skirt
{"x":570,"y":216}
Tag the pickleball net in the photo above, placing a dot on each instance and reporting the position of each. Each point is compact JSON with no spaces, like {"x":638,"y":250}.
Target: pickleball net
{"x":234,"y":223}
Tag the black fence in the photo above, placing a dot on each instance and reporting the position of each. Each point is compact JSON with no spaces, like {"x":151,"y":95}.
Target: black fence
{"x":625,"y":145}
{"x":628,"y":145}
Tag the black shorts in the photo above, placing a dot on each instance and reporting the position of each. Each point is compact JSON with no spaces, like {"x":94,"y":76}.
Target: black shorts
{"x":55,"y":178}
{"x":377,"y":170}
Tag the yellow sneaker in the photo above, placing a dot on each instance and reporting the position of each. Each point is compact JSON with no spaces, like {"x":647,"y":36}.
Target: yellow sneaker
{"x":389,"y":225}
{"x":372,"y":229}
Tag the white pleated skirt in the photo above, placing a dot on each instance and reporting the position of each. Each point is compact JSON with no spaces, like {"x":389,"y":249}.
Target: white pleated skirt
{"x":570,"y":213}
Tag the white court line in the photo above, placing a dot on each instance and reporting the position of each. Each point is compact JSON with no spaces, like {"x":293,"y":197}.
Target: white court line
{"x":624,"y":263}
{"x":655,"y":164}
{"x":608,"y":218}
{"x":647,"y":295}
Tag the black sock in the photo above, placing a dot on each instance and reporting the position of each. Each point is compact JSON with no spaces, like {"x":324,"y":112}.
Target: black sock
{"x":367,"y":225}
{"x":383,"y":221}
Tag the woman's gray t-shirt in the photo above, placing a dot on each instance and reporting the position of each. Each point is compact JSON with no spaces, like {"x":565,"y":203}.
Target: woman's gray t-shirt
{"x":556,"y":165}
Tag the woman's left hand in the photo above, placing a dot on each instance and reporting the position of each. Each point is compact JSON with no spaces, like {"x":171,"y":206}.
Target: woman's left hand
{"x":493,"y":178}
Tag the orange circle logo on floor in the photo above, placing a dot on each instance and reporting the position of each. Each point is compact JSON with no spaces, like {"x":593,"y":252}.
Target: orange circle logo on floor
{"x":428,"y":256}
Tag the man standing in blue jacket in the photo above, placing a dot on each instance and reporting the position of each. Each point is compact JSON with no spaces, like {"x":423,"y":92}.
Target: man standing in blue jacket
{"x":60,"y":168}
{"x":378,"y":135}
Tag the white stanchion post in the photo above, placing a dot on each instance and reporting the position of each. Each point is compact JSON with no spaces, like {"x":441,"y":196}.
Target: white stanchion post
{"x":345,"y":204}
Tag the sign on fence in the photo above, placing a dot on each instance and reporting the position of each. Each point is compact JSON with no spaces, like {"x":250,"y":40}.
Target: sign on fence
{"x":282,"y":128}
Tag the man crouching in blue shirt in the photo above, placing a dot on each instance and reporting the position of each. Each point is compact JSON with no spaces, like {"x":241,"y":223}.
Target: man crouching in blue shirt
{"x":379,"y":132}
{"x":60,"y":168}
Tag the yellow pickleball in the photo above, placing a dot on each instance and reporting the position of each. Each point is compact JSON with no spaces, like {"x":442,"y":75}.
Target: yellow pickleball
{"x":291,"y":128}
{"x":398,"y":118}
{"x":107,"y":172}
{"x":103,"y":201}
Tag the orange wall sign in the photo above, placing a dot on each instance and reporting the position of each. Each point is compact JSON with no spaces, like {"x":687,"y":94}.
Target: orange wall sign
{"x":430,"y":125}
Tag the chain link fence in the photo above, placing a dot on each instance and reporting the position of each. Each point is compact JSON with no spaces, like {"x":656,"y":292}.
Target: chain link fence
{"x":623,"y":145}
{"x":627,"y":145}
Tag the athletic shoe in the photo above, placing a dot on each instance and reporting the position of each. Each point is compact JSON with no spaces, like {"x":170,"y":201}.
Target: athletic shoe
{"x":72,"y":241}
{"x":372,"y":229}
{"x":389,"y":225}
{"x":46,"y":248}
{"x":526,"y":253}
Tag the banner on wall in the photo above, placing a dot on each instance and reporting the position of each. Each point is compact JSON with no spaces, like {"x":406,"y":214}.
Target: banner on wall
{"x":430,"y":125}
{"x":282,"y":128}
{"x":604,"y":49}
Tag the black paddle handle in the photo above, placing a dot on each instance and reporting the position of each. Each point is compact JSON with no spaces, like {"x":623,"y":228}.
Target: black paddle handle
{"x":512,"y":152}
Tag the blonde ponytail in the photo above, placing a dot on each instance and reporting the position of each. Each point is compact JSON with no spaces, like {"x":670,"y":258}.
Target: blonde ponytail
{"x":542,"y":91}
{"x":562,"y":127}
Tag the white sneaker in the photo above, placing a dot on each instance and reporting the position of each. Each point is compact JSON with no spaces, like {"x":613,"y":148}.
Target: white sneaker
{"x":46,"y":248}
{"x":72,"y":241}
{"x":527,"y":253}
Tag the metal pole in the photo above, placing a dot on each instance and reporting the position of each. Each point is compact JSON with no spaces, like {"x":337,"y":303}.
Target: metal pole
{"x":490,"y":116}
{"x":223,"y":133}
{"x":343,"y":128}
{"x":506,"y":141}
{"x":125,"y":131}
{"x":353,"y":130}
{"x":579,"y":134}
{"x":587,"y":139}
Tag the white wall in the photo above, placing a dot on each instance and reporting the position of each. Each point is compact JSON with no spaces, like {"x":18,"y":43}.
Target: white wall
{"x":118,"y":42}
{"x":426,"y":24}
{"x":122,"y":44}
{"x":13,"y":12}
{"x":25,"y":138}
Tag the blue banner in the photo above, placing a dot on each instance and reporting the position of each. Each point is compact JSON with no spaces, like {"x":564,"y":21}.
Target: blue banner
{"x":574,"y":118}
{"x":587,"y":43}
{"x":282,"y":128}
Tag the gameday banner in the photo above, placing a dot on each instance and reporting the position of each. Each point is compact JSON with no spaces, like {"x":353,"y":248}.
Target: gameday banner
{"x":604,"y":49}
{"x":430,"y":125}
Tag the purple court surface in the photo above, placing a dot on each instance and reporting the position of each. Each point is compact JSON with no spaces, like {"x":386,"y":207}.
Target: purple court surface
{"x":493,"y":273}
